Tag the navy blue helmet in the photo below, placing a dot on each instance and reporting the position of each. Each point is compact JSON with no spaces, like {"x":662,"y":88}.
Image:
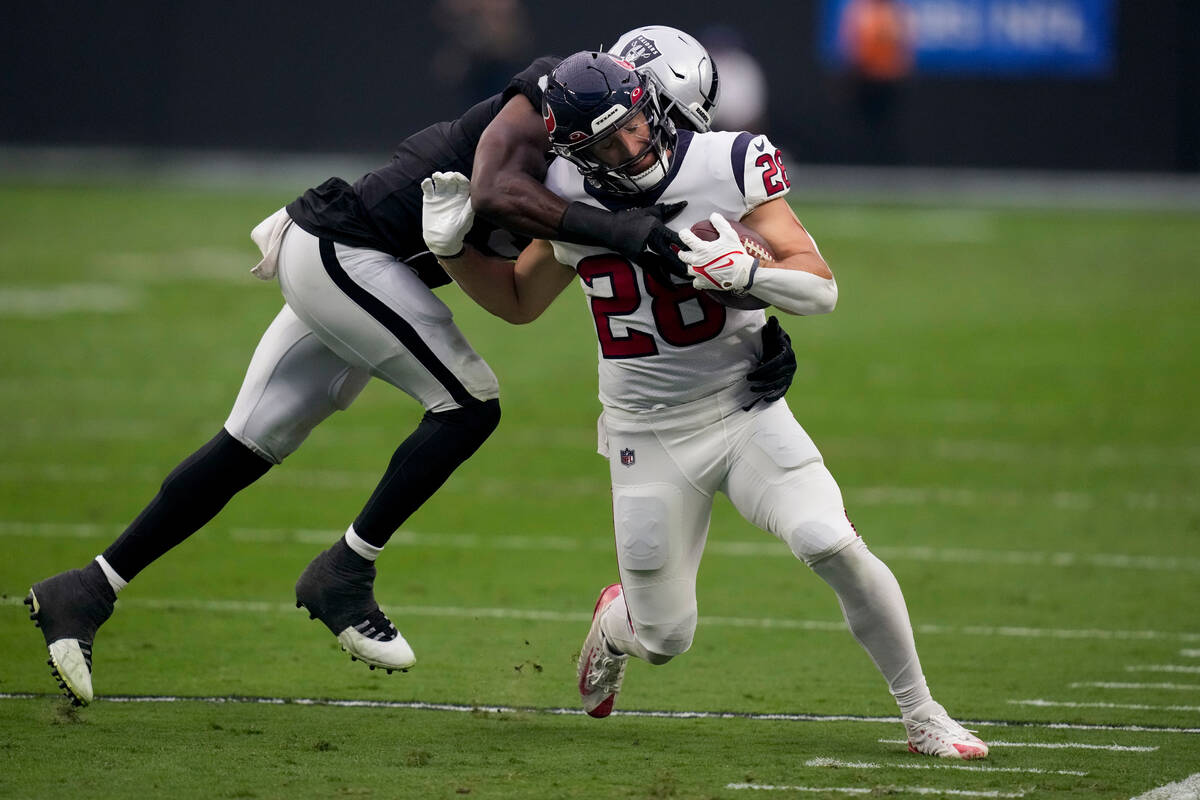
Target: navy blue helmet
{"x":589,"y":97}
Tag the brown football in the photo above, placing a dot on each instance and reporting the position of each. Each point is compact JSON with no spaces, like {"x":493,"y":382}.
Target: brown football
{"x":754,"y":244}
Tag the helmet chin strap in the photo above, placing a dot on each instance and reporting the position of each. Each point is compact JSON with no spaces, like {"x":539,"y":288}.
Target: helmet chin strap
{"x":653,"y":176}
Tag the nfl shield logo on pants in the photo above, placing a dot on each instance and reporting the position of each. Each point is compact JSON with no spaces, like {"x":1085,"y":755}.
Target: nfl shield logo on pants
{"x":627,"y":457}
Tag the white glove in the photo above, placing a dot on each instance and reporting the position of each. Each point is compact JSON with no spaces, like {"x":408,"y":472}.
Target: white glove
{"x":446,"y":213}
{"x":720,"y":265}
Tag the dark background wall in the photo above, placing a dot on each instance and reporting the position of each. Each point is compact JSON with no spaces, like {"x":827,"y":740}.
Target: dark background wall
{"x":356,"y":77}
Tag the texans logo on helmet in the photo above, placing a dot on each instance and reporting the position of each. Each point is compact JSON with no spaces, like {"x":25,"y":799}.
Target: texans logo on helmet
{"x":624,"y":64}
{"x":635,"y":94}
{"x":548,"y":116}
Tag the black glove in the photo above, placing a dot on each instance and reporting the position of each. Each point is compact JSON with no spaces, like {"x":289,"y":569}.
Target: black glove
{"x":774,"y":373}
{"x":630,"y":233}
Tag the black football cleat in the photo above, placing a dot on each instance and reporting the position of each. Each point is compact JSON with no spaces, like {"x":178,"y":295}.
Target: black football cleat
{"x":69,"y":608}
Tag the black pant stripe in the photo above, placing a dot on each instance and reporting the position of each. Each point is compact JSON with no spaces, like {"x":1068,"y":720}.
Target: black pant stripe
{"x":395,"y":323}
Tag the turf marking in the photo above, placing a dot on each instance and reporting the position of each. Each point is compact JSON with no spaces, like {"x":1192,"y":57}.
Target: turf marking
{"x":1190,"y":653}
{"x":1186,"y":789}
{"x":67,"y":298}
{"x":767,"y":547}
{"x":927,"y":790}
{"x":766,"y":623}
{"x":1080,"y":500}
{"x":1181,"y":687}
{"x":498,"y":709}
{"x":1163,"y":668}
{"x":833,"y":762}
{"x":1117,"y":748}
{"x":1071,"y":704}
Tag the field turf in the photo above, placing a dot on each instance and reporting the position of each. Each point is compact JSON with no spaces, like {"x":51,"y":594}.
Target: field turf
{"x":1008,"y":399}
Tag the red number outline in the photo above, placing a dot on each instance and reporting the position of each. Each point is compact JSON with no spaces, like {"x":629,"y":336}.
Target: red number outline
{"x":666,"y":307}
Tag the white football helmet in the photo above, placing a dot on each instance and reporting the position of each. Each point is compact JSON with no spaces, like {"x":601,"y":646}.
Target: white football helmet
{"x":686,"y":74}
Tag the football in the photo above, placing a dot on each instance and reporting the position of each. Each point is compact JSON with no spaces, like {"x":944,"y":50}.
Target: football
{"x":754,"y":244}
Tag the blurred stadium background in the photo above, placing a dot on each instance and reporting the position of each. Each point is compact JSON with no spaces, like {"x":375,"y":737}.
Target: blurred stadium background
{"x":1031,"y":85}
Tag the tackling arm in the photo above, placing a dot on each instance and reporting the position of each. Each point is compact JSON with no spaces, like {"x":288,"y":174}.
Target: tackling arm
{"x":510,"y":164}
{"x":506,"y":188}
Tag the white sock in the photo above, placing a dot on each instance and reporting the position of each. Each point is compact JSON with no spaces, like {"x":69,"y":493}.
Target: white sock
{"x":618,"y":631}
{"x":874,"y":608}
{"x":365,"y":549}
{"x":114,"y":580}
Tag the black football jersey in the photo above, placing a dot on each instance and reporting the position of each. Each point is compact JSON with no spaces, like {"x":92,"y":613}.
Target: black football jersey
{"x":382,"y":209}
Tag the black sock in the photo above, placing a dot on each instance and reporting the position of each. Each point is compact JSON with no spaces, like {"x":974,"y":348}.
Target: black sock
{"x":421,"y":464}
{"x":190,"y":496}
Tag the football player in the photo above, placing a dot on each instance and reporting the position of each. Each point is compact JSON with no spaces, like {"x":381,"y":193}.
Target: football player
{"x":357,"y":277}
{"x":679,"y":424}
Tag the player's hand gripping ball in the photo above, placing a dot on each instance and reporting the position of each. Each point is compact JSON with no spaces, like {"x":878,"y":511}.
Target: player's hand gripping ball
{"x":722,"y":257}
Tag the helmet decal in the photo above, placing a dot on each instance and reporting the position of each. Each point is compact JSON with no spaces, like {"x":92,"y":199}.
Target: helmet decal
{"x":639,"y":51}
{"x":686,"y":77}
{"x":548,"y":117}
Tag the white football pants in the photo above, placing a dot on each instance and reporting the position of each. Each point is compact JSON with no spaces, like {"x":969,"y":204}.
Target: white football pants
{"x":667,"y":465}
{"x":351,"y":313}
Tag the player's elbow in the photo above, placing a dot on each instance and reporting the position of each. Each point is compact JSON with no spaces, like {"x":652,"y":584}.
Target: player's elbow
{"x":488,"y":199}
{"x":825,"y":298}
{"x":496,"y":199}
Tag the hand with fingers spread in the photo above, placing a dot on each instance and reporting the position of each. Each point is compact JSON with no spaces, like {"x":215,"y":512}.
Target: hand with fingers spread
{"x":722,"y":264}
{"x":446,"y":212}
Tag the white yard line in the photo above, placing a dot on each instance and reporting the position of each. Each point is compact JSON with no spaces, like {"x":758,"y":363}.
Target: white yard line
{"x":52,"y":300}
{"x":731,"y":715}
{"x":768,"y":623}
{"x":1072,"y":704}
{"x":861,"y":790}
{"x":1180,"y":668}
{"x":1179,"y":687}
{"x":1190,"y":653}
{"x":1119,"y":748}
{"x":1186,"y":789}
{"x":1061,"y":500}
{"x":765,"y":547}
{"x":839,"y":764}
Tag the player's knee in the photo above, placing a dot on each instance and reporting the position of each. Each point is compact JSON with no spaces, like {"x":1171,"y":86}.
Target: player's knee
{"x":474,"y":422}
{"x":665,"y":640}
{"x":815,"y":539}
{"x":658,"y":659}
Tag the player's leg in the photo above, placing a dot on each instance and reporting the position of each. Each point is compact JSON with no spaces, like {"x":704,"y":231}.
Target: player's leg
{"x":293,"y":382}
{"x":660,"y":521}
{"x":375,"y":313}
{"x":780,"y":484}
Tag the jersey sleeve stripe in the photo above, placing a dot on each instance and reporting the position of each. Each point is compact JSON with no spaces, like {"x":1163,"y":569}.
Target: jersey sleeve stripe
{"x":737,"y":159}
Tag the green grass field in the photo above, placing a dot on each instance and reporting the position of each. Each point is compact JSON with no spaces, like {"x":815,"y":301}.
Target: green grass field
{"x":1007,"y":397}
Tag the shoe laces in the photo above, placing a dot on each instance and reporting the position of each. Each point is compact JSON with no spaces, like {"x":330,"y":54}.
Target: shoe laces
{"x":947,"y":726}
{"x":604,"y":673}
{"x":377,"y":626}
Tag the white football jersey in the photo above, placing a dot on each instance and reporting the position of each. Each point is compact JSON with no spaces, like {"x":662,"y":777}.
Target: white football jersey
{"x":662,"y":345}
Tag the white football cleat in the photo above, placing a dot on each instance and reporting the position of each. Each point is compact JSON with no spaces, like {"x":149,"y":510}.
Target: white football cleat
{"x":337,"y":587}
{"x":388,"y":653}
{"x":600,"y":670}
{"x":941,"y":736}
